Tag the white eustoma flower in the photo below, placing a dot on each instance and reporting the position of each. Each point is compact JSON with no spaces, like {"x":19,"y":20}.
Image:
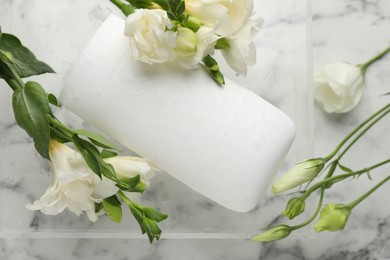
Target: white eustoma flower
{"x":338,"y":87}
{"x":230,"y":15}
{"x":301,"y":173}
{"x":242,"y":50}
{"x":150,"y":40}
{"x":205,"y":42}
{"x":77,"y":188}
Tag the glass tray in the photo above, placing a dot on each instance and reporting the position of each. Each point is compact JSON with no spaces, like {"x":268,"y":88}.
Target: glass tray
{"x":281,"y":76}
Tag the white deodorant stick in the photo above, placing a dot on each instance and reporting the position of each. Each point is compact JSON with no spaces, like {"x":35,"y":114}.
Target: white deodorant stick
{"x":224,"y":142}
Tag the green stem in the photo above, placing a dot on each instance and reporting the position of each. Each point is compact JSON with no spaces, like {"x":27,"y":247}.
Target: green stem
{"x":125,"y":198}
{"x":118,"y":3}
{"x":340,"y":177}
{"x":323,"y":183}
{"x":362,"y":133}
{"x":331,"y":170}
{"x":368,"y":193}
{"x":162,"y":3}
{"x":14,"y":84}
{"x":126,"y":9}
{"x":319,"y":206}
{"x":365,"y":65}
{"x":341,"y":144}
{"x":69,"y":132}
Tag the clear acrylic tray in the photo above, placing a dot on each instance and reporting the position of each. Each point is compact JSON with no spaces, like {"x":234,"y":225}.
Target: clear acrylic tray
{"x":281,"y":76}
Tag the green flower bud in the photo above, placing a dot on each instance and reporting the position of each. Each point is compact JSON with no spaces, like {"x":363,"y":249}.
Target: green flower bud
{"x":218,"y":77}
{"x":295,"y":207}
{"x":211,"y":63}
{"x":6,"y":57}
{"x":222,"y":44}
{"x":333,"y":217}
{"x":193,"y":23}
{"x":186,"y":42}
{"x":275,"y":233}
{"x":301,"y":173}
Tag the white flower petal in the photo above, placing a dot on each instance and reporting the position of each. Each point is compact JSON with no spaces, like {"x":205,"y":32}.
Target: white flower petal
{"x":338,"y":87}
{"x":242,"y":51}
{"x":230,"y":15}
{"x":150,"y":41}
{"x":103,"y":188}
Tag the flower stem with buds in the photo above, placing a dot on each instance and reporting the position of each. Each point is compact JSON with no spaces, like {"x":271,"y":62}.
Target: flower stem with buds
{"x":331,"y":180}
{"x":319,"y":205}
{"x":333,"y":217}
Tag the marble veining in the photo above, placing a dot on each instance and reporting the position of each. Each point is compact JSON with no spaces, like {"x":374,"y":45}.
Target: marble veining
{"x":351,"y":30}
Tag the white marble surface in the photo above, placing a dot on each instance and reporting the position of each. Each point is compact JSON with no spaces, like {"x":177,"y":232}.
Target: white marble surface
{"x":352,"y":30}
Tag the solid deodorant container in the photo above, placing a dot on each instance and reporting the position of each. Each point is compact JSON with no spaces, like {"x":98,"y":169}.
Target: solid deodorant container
{"x":223,"y":142}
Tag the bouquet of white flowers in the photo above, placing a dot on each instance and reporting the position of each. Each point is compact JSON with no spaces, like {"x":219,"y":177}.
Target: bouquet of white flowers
{"x":90,"y":179}
{"x":88,"y":175}
{"x":189,"y":32}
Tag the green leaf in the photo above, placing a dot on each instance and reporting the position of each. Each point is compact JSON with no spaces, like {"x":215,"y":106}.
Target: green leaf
{"x":31,"y":109}
{"x":58,"y":135}
{"x":183,"y":18}
{"x":151,"y":229}
{"x":131,"y":184}
{"x":181,"y":8}
{"x":107,"y":154}
{"x":345,"y":168}
{"x":88,"y":154}
{"x":93,"y":158}
{"x":96,"y":138}
{"x":154,"y":214}
{"x":53,"y":100}
{"x":107,"y":170}
{"x":113,"y":209}
{"x":147,"y":219}
{"x":176,"y":11}
{"x":171,"y":15}
{"x":173,"y":3}
{"x":23,"y":60}
{"x":138,"y":215}
{"x":369,"y":175}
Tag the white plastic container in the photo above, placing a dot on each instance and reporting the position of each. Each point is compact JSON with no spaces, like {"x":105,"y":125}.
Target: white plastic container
{"x":224,"y":142}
